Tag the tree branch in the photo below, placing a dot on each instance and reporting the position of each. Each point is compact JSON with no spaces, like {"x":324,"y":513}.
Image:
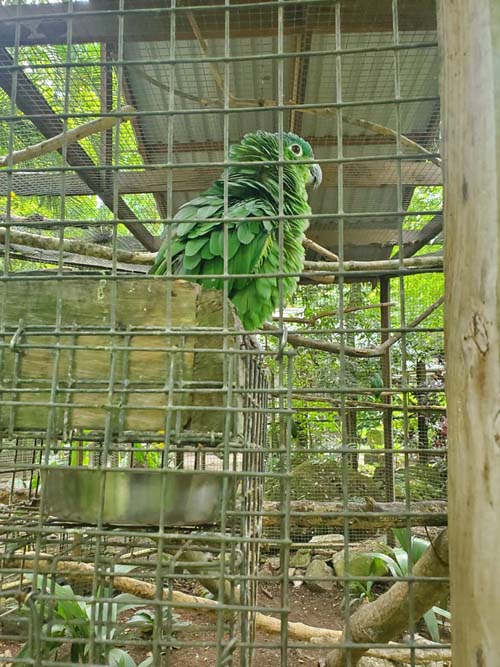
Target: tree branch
{"x":434,"y":262}
{"x":388,"y":616}
{"x":82,"y":247}
{"x":311,"y":398}
{"x":67,"y":138}
{"x":297,"y":340}
{"x":296,"y":631}
{"x":78,"y":246}
{"x":324,"y":252}
{"x":330,"y":313}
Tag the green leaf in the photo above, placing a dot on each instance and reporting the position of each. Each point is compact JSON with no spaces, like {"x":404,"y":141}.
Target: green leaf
{"x":439,"y":611}
{"x":147,"y":662}
{"x":414,"y":546}
{"x":143,"y":619}
{"x":394,"y":568}
{"x":117,"y":657}
{"x":403,"y":536}
{"x":419,"y":546}
{"x":402,"y":559}
{"x":432,"y":624}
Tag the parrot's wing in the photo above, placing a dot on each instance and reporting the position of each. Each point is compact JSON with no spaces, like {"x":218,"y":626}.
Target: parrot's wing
{"x":198,"y":248}
{"x":195,"y":218}
{"x":246,"y":244}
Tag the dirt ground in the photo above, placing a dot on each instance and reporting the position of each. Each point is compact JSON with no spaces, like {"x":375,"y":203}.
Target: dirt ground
{"x":318,"y":609}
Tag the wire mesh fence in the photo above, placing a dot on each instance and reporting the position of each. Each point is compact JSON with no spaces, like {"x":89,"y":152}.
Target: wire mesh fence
{"x":226,"y":460}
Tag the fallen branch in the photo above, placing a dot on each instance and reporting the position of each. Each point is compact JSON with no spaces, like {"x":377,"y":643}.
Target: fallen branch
{"x":307,"y":515}
{"x":388,"y":616}
{"x":296,"y":631}
{"x":67,"y":138}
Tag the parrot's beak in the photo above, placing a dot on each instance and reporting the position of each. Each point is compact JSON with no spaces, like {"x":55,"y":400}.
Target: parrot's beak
{"x":316,"y":176}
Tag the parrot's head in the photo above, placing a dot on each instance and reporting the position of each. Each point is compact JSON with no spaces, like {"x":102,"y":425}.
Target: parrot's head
{"x":263,"y":146}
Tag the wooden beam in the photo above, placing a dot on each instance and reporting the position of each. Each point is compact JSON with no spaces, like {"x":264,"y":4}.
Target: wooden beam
{"x":470,"y":37}
{"x":144,"y":150}
{"x":299,"y":80}
{"x":31,"y":102}
{"x":429,"y":232}
{"x":43,"y":24}
{"x":160,"y":149}
{"x":356,"y":175}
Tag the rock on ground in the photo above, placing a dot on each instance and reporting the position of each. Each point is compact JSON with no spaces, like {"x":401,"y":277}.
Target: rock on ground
{"x":319,"y":569}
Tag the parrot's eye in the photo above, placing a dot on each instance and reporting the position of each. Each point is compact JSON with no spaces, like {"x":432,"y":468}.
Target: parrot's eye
{"x":296,"y":149}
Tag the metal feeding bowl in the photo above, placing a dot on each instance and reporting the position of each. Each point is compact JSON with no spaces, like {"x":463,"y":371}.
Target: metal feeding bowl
{"x":132,"y":497}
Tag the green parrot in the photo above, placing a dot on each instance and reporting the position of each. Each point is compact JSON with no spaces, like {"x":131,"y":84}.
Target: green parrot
{"x":197,"y":237}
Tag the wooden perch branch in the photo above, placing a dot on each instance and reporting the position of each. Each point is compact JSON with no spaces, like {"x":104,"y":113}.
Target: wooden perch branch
{"x":84,"y":248}
{"x":331,"y":313}
{"x":78,"y":246}
{"x":268,"y":624}
{"x":376,"y":128}
{"x":434,"y":262}
{"x":67,"y":138}
{"x":324,"y":252}
{"x":372,"y":405}
{"x":388,"y":615}
{"x":297,"y":340}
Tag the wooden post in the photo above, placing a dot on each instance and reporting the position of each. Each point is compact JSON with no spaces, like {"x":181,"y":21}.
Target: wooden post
{"x":470,"y":37}
{"x":423,"y":433}
{"x":385,"y":368}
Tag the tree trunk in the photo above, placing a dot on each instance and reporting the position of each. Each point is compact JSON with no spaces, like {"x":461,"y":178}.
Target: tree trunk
{"x":470,"y":36}
{"x":389,"y":615}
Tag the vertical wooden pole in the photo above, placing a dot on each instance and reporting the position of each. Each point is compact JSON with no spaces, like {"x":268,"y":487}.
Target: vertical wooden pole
{"x":470,"y":39}
{"x":385,"y":368}
{"x":423,"y":433}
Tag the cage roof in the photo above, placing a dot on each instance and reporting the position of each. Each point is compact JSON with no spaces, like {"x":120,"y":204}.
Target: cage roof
{"x":385,"y":83}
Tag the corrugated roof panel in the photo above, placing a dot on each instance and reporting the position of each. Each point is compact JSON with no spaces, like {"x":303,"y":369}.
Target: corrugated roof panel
{"x":366,"y":78}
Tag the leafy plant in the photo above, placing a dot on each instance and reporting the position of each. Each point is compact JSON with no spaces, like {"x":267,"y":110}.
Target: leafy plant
{"x":70,"y":618}
{"x":143,"y":620}
{"x":411,"y":549}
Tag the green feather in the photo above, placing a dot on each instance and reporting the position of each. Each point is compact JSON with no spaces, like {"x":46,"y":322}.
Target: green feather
{"x":246,"y":232}
{"x":197,"y":237}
